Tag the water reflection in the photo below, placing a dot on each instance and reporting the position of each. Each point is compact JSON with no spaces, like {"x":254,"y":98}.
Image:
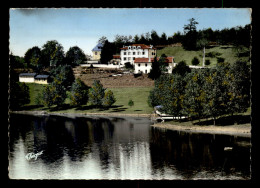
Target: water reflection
{"x":119,"y":148}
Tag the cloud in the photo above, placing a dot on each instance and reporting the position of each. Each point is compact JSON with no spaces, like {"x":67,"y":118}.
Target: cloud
{"x":31,"y":12}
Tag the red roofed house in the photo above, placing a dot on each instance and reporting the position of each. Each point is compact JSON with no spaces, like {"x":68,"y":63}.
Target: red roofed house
{"x":130,"y":53}
{"x":144,"y":65}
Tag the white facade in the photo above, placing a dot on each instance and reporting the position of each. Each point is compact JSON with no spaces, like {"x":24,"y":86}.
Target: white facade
{"x":26,"y":79}
{"x":129,"y":53}
{"x":143,"y":67}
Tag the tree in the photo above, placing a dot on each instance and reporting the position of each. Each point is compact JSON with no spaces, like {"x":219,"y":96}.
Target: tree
{"x":163,"y":39}
{"x":195,"y":61}
{"x":173,"y":95}
{"x":19,"y":95}
{"x":194,"y":99}
{"x":181,"y":68}
{"x":52,"y":53}
{"x":54,"y":94}
{"x":97,"y":93}
{"x":75,"y":56}
{"x":79,"y":93}
{"x":155,"y":71}
{"x":33,"y":58}
{"x":109,"y":99}
{"x":190,"y":39}
{"x":64,"y":74}
{"x":107,"y":52}
{"x":191,"y":26}
{"x":102,"y":40}
{"x":155,"y":39}
{"x":239,"y":87}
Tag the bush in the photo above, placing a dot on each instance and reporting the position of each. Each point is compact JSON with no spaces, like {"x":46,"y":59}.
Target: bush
{"x":128,"y":65}
{"x":220,"y":59}
{"x":109,"y":99}
{"x":207,"y":62}
{"x":181,"y":68}
{"x":195,"y":61}
{"x":130,"y":103}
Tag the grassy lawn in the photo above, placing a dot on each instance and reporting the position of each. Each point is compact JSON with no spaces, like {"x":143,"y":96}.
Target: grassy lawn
{"x":226,"y":52}
{"x":138,"y":94}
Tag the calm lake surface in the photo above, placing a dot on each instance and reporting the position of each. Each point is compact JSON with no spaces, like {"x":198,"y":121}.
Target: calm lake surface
{"x":120,"y":148}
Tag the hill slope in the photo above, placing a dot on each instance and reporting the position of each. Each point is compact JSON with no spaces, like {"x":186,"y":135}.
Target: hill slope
{"x":226,"y":52}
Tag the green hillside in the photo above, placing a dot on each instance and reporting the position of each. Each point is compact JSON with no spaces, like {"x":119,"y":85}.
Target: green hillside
{"x":226,"y":52}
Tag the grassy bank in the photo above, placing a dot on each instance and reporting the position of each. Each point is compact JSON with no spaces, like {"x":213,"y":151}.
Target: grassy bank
{"x":226,"y":52}
{"x":138,"y":94}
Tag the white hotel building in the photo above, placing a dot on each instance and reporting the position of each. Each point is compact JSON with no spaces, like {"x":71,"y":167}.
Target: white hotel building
{"x":130,"y":53}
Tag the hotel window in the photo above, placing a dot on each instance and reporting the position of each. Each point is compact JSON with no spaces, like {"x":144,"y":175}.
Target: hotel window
{"x":125,"y":58}
{"x":143,"y":53}
{"x":95,"y":53}
{"x":146,"y":64}
{"x":129,"y":58}
{"x":139,"y":65}
{"x":133,"y":53}
{"x":129,"y":53}
{"x":145,"y":71}
{"x":124,"y":53}
{"x":133,"y":58}
{"x":138,"y":53}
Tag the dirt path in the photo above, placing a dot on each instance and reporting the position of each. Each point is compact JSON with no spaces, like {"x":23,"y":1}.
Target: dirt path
{"x":238,"y":130}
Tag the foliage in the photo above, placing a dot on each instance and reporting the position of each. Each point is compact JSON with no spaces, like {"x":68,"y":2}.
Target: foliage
{"x":155,"y":71}
{"x":220,"y":59}
{"x":194,"y":98}
{"x":130,"y":103}
{"x":74,"y":56}
{"x":54,"y":94}
{"x":109,"y":99}
{"x":128,"y":65}
{"x":33,"y":58}
{"x":207,"y":62}
{"x":191,"y":35}
{"x":19,"y":95}
{"x":195,"y":61}
{"x":213,"y":92}
{"x":16,"y":61}
{"x":107,"y":52}
{"x":52,"y":54}
{"x":181,"y":68}
{"x":64,"y":74}
{"x":97,"y":93}
{"x":79,"y":93}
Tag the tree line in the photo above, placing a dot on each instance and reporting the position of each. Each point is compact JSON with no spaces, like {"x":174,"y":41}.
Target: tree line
{"x":190,"y":38}
{"x":51,"y":54}
{"x":203,"y":93}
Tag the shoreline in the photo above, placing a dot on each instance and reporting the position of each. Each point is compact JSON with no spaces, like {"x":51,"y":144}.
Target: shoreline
{"x":234,"y":130}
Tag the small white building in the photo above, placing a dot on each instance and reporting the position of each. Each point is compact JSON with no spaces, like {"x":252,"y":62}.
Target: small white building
{"x":27,"y":77}
{"x":144,"y":65}
{"x":130,"y":53}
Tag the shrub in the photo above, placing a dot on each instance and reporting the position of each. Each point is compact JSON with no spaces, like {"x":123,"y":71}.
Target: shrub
{"x":207,"y":62}
{"x":220,"y":59}
{"x":130,"y":103}
{"x":195,"y":61}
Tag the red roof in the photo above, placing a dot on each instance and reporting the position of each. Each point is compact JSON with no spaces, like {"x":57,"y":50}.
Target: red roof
{"x":143,"y":46}
{"x":116,"y":56}
{"x":146,"y":60}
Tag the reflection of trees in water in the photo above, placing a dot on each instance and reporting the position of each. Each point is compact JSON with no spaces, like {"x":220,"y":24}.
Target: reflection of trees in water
{"x":192,"y":153}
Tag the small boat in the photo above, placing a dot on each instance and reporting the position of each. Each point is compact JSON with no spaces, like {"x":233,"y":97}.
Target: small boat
{"x":228,"y":148}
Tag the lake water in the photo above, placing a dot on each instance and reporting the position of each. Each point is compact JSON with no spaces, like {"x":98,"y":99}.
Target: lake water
{"x":120,"y":148}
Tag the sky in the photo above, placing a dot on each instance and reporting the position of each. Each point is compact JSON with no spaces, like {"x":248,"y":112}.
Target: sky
{"x":83,"y":27}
